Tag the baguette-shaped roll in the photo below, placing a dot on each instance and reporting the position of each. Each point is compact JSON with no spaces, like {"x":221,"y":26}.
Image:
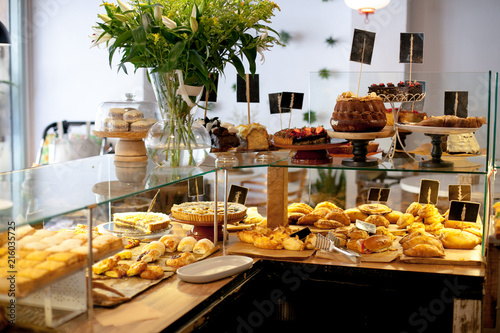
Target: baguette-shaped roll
{"x":186,"y":244}
{"x":203,"y":246}
{"x":171,"y":242}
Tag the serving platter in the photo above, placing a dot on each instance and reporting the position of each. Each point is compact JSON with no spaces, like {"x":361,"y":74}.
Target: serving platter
{"x":213,"y":269}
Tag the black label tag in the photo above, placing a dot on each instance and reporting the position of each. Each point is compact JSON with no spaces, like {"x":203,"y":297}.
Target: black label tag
{"x":456,"y":103}
{"x":362,"y":46}
{"x":212,"y":96}
{"x":195,"y":187}
{"x":368,"y":227}
{"x":459,"y":192}
{"x":411,"y":48}
{"x":464,"y":211}
{"x":275,"y":104}
{"x":253,"y":88}
{"x":429,"y":191}
{"x":378,"y":194}
{"x":238,"y":194}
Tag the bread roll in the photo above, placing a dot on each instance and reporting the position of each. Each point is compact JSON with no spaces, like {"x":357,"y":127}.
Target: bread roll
{"x":171,"y":242}
{"x":377,"y":220}
{"x":459,"y":239}
{"x":378,"y":243}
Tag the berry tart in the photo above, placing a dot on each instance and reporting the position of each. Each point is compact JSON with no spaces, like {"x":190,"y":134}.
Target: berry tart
{"x":301,"y":136}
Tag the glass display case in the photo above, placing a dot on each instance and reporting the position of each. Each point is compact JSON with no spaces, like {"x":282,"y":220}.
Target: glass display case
{"x":89,"y":191}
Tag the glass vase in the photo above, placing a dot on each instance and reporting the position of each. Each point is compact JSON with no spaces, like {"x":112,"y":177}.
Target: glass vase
{"x":176,"y":140}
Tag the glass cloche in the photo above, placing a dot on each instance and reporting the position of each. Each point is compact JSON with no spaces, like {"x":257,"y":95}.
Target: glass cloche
{"x":126,"y":116}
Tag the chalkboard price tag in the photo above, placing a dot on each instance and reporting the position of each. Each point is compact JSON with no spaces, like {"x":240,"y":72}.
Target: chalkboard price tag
{"x":195,"y":187}
{"x":378,"y":194}
{"x":238,"y":194}
{"x":456,"y":103}
{"x":362,"y":46}
{"x":411,"y":48}
{"x":429,"y":191}
{"x":459,"y":192}
{"x":253,"y":88}
{"x":464,"y":211}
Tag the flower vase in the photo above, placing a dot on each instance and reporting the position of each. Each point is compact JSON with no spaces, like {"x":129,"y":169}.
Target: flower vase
{"x":176,"y":140}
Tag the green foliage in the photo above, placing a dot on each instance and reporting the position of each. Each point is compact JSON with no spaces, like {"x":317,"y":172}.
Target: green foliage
{"x":332,"y":184}
{"x":285,"y":37}
{"x":330,"y":41}
{"x":310,"y":117}
{"x":197,"y":37}
{"x":324,"y":73}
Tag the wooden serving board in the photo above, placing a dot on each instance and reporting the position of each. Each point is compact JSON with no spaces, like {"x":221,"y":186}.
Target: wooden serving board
{"x":387,"y":256}
{"x":452,"y":257}
{"x":252,"y":251}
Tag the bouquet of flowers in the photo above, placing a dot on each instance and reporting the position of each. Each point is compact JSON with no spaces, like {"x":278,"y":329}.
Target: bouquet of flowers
{"x":184,"y":43}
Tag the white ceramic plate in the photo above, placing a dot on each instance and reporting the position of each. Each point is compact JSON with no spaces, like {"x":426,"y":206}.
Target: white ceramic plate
{"x":213,"y":269}
{"x":435,"y":130}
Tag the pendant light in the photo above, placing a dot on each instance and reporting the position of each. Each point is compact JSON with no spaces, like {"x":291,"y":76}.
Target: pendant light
{"x":366,"y":7}
{"x":4,"y":35}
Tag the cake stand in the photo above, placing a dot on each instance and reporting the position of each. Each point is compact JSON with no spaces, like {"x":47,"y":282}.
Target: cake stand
{"x":359,"y":141}
{"x":314,"y":154}
{"x":205,"y":229}
{"x":130,"y":146}
{"x":436,"y":134}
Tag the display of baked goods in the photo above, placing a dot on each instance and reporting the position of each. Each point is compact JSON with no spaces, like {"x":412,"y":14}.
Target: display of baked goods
{"x":301,"y":136}
{"x":358,"y":114}
{"x":275,"y":239}
{"x":126,"y":120}
{"x":465,"y":143}
{"x":453,"y":121}
{"x":204,"y":211}
{"x":407,"y":90}
{"x":411,"y":116}
{"x":254,"y":136}
{"x":419,"y":243}
{"x":223,"y":135}
{"x":43,"y":256}
{"x":143,"y":222}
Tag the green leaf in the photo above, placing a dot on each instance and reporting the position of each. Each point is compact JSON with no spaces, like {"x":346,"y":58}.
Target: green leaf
{"x":195,"y":58}
{"x":236,"y":62}
{"x":139,"y":35}
{"x":176,"y":51}
{"x":251,"y":55}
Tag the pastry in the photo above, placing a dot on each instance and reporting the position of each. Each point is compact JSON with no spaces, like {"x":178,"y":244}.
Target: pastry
{"x":144,"y":222}
{"x":137,"y":268}
{"x":124,"y":255}
{"x":116,"y":113}
{"x":301,"y":136}
{"x":186,"y":244}
{"x":339,"y":216}
{"x":204,"y":211}
{"x":171,"y":242}
{"x":223,"y":135}
{"x":116,"y":125}
{"x":459,"y":239}
{"x":327,"y":224}
{"x":269,"y":243}
{"x":384,"y":231}
{"x":377,"y":220}
{"x":203,"y":246}
{"x":118,"y":271}
{"x":358,"y":114}
{"x":32,"y":273}
{"x":67,"y":258}
{"x":413,"y":208}
{"x":383,"y":89}
{"x":374,"y":209}
{"x":132,"y":115}
{"x":411,"y":116}
{"x":140,"y":126}
{"x":405,"y":220}
{"x":293,"y":244}
{"x":105,"y":265}
{"x":293,"y":217}
{"x":453,"y":121}
{"x":310,"y":241}
{"x":299,"y":207}
{"x":38,"y":255}
{"x":50,"y":265}
{"x":152,"y":273}
{"x":421,"y":239}
{"x":357,"y":245}
{"x":181,"y":259}
{"x":356,"y":233}
{"x":393,"y":216}
{"x":355,"y":214}
{"x":424,"y":250}
{"x":377,"y":243}
{"x":308,"y":219}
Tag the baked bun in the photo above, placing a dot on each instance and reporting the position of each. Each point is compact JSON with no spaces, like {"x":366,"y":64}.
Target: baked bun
{"x":377,"y":220}
{"x":378,"y":243}
{"x":203,"y":246}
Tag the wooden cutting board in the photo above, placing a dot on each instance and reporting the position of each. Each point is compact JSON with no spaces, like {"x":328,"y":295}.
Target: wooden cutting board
{"x":252,"y":251}
{"x":452,"y":257}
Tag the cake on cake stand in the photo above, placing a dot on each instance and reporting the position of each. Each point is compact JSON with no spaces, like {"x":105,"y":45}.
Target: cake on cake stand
{"x":359,"y":141}
{"x":436,"y":134}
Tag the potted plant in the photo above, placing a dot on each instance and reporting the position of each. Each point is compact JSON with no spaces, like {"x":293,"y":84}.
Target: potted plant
{"x":182,"y":43}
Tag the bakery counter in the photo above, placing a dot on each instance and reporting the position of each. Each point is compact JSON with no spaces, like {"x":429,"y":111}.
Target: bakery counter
{"x":288,"y":293}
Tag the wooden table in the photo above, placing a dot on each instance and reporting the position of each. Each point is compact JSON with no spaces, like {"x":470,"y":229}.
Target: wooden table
{"x":186,"y":306}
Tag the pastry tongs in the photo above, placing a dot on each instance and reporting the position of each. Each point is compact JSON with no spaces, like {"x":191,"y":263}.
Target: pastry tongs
{"x":332,"y":243}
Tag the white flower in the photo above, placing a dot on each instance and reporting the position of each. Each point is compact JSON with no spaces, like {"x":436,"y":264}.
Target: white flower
{"x":168,"y":22}
{"x":95,"y":37}
{"x":104,"y":17}
{"x":125,"y":8}
{"x":121,"y":17}
{"x":192,"y":20}
{"x":157,"y":13}
{"x":261,"y":49}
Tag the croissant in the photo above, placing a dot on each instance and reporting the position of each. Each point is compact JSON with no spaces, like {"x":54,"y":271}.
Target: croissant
{"x":149,"y":256}
{"x":203,"y":246}
{"x":118,"y":271}
{"x":293,"y":243}
{"x":137,"y":268}
{"x":310,"y":241}
{"x":423,"y":239}
{"x":171,"y":242}
{"x":186,"y":244}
